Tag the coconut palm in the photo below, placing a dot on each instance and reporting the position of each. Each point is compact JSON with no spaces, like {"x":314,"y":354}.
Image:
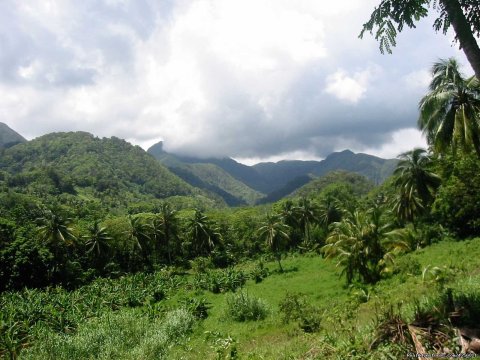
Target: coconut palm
{"x":97,"y":242}
{"x":275,"y":234}
{"x":329,"y":211}
{"x":97,"y":239}
{"x":416,"y":184}
{"x":307,"y":215}
{"x":138,"y":237}
{"x":55,"y":229}
{"x":449,"y":113}
{"x":361,"y":245}
{"x":202,"y":233}
{"x":168,"y":222}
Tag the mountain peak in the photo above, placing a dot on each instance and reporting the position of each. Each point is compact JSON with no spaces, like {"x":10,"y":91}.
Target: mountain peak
{"x":9,"y":137}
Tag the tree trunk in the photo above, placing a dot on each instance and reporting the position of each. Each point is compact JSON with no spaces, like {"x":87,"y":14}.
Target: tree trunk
{"x":279,"y":257}
{"x":464,"y":33}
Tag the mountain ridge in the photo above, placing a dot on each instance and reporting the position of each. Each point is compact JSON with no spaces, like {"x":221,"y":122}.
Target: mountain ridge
{"x":277,"y":179}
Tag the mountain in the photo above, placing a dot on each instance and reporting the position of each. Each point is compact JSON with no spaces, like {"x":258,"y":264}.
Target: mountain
{"x":359,"y":184}
{"x":372,"y":167}
{"x":275,"y":180}
{"x":224,"y":177}
{"x":81,"y":165}
{"x":9,"y":137}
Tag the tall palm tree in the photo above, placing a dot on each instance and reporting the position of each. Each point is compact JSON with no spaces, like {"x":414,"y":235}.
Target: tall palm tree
{"x":307,"y":215}
{"x":138,"y":237}
{"x":202,"y":233}
{"x":415,"y":182}
{"x":275,"y":234}
{"x":97,"y":239}
{"x":97,"y":242}
{"x":329,"y":211}
{"x":449,"y":112}
{"x":168,"y":222}
{"x":55,"y":229}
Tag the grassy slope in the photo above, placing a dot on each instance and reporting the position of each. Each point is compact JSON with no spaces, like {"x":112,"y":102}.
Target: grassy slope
{"x":318,"y":279}
{"x":346,"y":326}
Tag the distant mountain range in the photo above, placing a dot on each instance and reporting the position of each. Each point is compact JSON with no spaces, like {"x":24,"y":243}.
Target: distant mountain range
{"x":93,"y":166}
{"x":268,"y":182}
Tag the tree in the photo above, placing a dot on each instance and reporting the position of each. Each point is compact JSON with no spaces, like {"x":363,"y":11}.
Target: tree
{"x":168,"y":225}
{"x":391,"y":16}
{"x":449,"y":112}
{"x":361,"y":244}
{"x":415,"y":182}
{"x":307,"y":214}
{"x":202,"y":233}
{"x":97,"y":241}
{"x":138,"y":237}
{"x":275,"y":234}
{"x":55,"y":229}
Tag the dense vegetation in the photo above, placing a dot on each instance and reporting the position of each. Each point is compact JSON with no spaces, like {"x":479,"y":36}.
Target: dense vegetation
{"x":105,"y":253}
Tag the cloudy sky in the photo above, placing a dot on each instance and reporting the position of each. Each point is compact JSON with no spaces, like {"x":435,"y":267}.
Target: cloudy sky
{"x":250,"y":79}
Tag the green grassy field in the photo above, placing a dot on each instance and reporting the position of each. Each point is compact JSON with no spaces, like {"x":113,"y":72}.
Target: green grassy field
{"x":155,"y":327}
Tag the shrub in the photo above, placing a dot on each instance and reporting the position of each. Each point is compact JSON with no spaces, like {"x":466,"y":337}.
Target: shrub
{"x":177,"y":324}
{"x":220,"y":281}
{"x":243,"y":307}
{"x":296,"y":308}
{"x":259,"y":273}
{"x":197,"y":307}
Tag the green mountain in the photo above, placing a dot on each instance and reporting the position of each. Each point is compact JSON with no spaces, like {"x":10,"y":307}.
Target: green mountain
{"x":359,"y":184}
{"x":211,"y":175}
{"x":9,"y":137}
{"x":272,"y":180}
{"x":86,"y":167}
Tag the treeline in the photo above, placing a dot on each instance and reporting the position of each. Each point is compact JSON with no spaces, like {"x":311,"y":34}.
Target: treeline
{"x":72,"y":243}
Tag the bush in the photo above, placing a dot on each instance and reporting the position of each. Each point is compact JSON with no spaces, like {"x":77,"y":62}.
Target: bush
{"x":197,"y":307}
{"x":220,"y":281}
{"x":296,"y":308}
{"x":243,"y":307}
{"x":259,"y":273}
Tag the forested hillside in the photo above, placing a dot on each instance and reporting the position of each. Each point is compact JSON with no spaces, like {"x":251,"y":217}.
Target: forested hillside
{"x":81,"y":166}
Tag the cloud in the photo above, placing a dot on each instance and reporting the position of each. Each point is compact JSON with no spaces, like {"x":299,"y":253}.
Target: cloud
{"x":348,"y":88}
{"x":252,"y":79}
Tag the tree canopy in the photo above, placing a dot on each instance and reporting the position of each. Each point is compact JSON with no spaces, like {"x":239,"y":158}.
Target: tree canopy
{"x":391,"y":16}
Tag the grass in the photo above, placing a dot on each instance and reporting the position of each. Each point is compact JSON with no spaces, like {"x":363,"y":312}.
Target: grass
{"x":146,"y":328}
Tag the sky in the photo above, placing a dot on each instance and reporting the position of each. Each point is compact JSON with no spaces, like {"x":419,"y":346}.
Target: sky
{"x":255,"y":80}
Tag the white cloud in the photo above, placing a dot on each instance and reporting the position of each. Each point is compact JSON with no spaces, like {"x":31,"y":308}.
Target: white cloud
{"x":401,"y":141}
{"x":243,"y":78}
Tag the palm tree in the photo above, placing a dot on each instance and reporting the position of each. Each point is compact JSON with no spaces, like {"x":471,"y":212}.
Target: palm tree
{"x":361,"y":244}
{"x":416,"y":184}
{"x":168,"y":222}
{"x":202,"y":233}
{"x":138,"y":237}
{"x":449,"y":113}
{"x":275,"y":234}
{"x":55,"y":229}
{"x":307,"y":215}
{"x":97,"y":239}
{"x":329,"y":211}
